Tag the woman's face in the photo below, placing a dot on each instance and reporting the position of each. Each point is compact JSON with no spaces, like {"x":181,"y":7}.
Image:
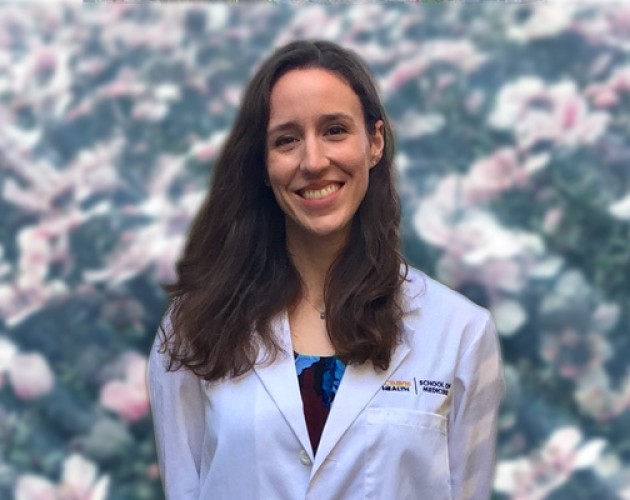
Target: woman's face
{"x":319,"y":152}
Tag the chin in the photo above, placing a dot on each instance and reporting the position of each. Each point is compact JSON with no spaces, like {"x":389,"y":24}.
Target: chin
{"x":324,"y":228}
{"x":330,"y":231}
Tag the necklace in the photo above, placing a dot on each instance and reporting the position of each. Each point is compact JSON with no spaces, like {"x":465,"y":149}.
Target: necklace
{"x":322,"y":312}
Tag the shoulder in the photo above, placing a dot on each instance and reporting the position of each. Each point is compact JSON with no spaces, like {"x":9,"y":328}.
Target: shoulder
{"x":436,"y":313}
{"x":160,"y":354}
{"x":423,"y":292}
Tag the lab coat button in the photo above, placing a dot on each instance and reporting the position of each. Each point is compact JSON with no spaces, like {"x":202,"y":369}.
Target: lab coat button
{"x":304,"y":458}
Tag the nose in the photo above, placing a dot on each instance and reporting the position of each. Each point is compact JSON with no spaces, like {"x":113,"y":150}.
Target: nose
{"x":314,"y":157}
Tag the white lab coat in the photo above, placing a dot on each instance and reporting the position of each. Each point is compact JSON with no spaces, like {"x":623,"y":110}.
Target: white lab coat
{"x":423,"y":429}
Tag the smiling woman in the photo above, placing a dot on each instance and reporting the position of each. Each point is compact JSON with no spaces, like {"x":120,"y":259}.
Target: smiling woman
{"x":294,"y":314}
{"x":319,"y":154}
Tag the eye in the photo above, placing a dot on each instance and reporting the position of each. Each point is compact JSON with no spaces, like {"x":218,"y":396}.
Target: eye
{"x":284,"y":140}
{"x":336,"y":130}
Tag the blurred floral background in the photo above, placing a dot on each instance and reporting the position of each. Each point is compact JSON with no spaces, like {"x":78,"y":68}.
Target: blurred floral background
{"x":513,"y":134}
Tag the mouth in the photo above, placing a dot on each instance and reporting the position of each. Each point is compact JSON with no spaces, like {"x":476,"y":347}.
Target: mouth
{"x":316,"y":194}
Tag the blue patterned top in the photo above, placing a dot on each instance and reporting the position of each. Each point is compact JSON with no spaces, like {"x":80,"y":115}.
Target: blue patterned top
{"x":319,"y":378}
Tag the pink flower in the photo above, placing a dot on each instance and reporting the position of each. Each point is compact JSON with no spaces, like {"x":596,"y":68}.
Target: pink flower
{"x":35,"y":257}
{"x":459,"y":53}
{"x":404,"y":72}
{"x":78,"y":481}
{"x":207,"y":151}
{"x":557,"y":113}
{"x":620,"y":80}
{"x":602,"y":95}
{"x":171,"y":217}
{"x":44,"y":60}
{"x":599,"y":398}
{"x":126,"y":84}
{"x":545,"y":21}
{"x":149,"y":110}
{"x":606,"y":26}
{"x":570,"y":114}
{"x":448,"y":219}
{"x":533,"y":478}
{"x":32,"y":487}
{"x":91,"y":66}
{"x":490,"y":176}
{"x":412,"y":124}
{"x":431,"y":220}
{"x":30,"y":375}
{"x":496,"y":275}
{"x":16,"y":305}
{"x":128,"y":398}
{"x":83,"y":108}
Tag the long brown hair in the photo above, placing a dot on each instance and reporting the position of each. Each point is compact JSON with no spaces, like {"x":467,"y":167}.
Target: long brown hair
{"x":235,"y":274}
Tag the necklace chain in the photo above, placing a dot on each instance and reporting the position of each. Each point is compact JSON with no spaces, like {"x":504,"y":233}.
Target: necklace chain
{"x":322,"y":312}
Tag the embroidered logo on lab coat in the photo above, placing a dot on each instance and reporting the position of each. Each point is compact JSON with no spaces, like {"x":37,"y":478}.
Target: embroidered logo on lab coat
{"x":423,"y":385}
{"x":397,"y":385}
{"x":432,"y":386}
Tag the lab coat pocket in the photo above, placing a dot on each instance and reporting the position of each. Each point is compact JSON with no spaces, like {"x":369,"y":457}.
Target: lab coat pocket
{"x":407,"y":455}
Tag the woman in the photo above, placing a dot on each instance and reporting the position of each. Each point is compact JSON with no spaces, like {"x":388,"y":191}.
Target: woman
{"x":301,"y":357}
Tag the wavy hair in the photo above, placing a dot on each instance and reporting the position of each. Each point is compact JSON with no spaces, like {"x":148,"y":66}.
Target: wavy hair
{"x":235,"y":275}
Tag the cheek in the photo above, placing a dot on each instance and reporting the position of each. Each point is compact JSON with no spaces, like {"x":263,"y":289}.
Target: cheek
{"x":279,"y":187}
{"x":278,"y":184}
{"x":276,"y":174}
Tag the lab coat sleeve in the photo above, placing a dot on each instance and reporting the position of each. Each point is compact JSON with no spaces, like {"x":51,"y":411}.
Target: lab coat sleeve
{"x":178,"y":421}
{"x":477,"y":391}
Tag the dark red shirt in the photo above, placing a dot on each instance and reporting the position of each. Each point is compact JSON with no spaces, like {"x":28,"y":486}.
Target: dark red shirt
{"x":319,"y":378}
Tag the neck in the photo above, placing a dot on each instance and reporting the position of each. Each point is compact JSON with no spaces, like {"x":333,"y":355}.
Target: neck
{"x":313,"y":256}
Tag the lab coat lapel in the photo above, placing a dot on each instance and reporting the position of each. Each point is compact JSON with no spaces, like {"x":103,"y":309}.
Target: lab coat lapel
{"x":359,"y":385}
{"x":281,"y":382}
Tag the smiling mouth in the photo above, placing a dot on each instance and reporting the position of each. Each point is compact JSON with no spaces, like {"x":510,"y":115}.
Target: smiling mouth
{"x":315,"y":194}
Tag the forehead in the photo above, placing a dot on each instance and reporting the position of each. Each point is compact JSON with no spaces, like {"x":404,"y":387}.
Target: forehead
{"x":302,"y":92}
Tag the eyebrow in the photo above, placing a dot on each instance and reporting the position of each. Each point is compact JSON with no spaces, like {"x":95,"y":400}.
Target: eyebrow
{"x":322,"y":119}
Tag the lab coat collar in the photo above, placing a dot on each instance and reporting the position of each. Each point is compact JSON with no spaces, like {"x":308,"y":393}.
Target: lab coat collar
{"x":281,"y":383}
{"x":359,"y":384}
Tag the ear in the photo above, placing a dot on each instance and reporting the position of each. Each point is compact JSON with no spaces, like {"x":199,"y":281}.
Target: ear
{"x":377,"y":143}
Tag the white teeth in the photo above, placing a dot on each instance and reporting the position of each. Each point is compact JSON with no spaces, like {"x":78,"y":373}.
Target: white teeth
{"x":313,"y":194}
